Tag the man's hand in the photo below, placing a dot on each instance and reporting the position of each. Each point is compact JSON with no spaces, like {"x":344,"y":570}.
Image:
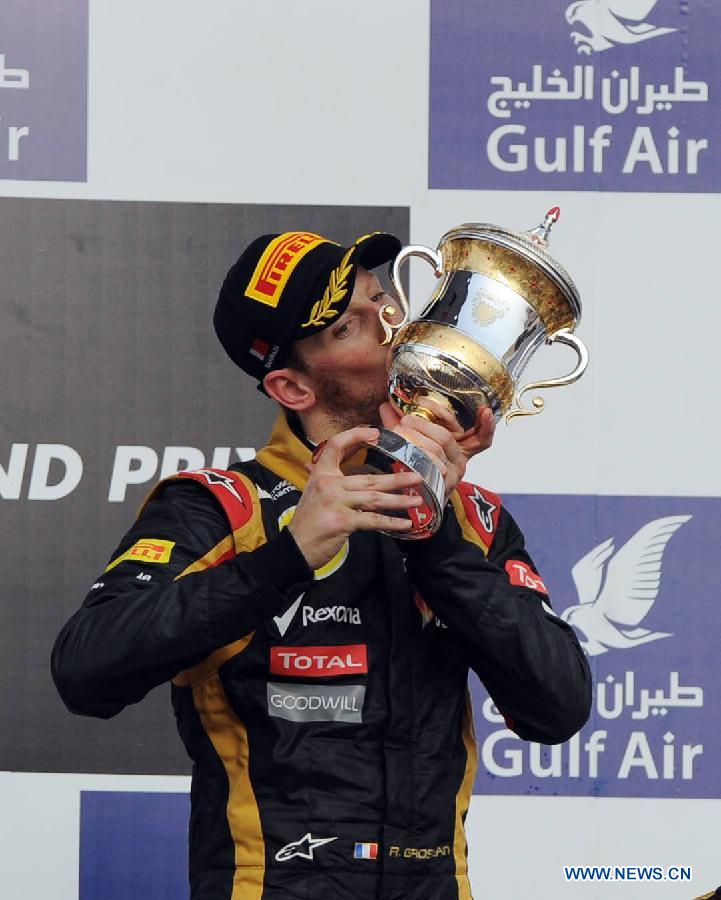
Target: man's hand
{"x":444,"y":440}
{"x":335,"y":505}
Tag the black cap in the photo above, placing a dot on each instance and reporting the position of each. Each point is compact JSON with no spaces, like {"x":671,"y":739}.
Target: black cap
{"x":286,"y":287}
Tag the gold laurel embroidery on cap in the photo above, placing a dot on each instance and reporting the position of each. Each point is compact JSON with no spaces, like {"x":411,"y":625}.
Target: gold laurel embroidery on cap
{"x":334,"y":293}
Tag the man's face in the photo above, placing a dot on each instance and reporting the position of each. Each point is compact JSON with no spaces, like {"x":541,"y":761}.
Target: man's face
{"x":346,"y":362}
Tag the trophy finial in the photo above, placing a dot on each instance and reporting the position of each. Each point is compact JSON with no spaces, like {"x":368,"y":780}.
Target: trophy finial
{"x":540,"y":234}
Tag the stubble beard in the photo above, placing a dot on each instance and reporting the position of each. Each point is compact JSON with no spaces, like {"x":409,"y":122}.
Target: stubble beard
{"x":347,"y":407}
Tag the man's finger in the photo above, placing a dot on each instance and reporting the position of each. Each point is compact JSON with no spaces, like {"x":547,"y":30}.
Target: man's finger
{"x":328,"y":458}
{"x":390,"y":416}
{"x":443,"y":416}
{"x":379,"y":500}
{"x":373,"y":521}
{"x":429,"y":446}
{"x":481,"y":437}
{"x":395,"y":482}
{"x":438,"y":433}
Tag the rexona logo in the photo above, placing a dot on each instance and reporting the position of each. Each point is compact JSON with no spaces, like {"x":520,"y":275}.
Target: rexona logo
{"x":636,"y":577}
{"x":319,"y":662}
{"x":620,"y":102}
{"x":349,"y":614}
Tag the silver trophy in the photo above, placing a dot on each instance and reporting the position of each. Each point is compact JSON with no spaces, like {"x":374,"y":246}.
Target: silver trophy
{"x":499,"y":297}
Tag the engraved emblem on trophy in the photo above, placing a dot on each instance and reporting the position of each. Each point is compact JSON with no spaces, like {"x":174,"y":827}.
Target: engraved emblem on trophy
{"x":500,"y":296}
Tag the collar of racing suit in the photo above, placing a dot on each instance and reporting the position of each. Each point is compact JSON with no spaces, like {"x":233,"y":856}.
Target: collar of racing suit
{"x":287,"y":454}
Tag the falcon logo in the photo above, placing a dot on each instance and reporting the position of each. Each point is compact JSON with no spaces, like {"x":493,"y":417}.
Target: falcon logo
{"x":484,"y":509}
{"x":611,"y":22}
{"x":303,"y":848}
{"x":616,"y":589}
{"x":213,"y":477}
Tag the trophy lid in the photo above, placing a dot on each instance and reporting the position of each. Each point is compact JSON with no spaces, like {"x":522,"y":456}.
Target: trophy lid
{"x":531,"y":245}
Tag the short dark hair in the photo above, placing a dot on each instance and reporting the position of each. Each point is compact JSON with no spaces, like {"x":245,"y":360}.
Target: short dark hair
{"x":294,"y":359}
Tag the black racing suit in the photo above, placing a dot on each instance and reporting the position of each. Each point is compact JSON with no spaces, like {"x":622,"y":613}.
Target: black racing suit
{"x":327,"y":716}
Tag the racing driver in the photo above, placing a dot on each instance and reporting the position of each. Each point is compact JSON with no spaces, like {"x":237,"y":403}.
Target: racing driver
{"x":318,"y":664}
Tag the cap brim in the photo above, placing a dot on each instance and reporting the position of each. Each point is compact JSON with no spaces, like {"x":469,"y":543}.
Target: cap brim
{"x":377,"y":249}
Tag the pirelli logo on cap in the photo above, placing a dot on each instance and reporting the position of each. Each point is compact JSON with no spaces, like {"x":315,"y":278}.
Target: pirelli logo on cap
{"x":277,"y":263}
{"x":146,"y":550}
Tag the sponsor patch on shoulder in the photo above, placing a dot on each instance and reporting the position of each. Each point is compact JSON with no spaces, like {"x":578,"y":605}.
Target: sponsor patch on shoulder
{"x":522,"y":575}
{"x":146,"y":550}
{"x":482,"y":508}
{"x":230,"y":491}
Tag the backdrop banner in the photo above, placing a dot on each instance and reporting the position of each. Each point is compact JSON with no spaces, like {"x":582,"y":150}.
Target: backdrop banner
{"x":44,"y":90}
{"x":113,"y":378}
{"x":585,"y":96}
{"x":635,"y":577}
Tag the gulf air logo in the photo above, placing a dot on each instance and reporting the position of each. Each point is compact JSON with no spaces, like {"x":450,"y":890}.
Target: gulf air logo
{"x":618,"y":588}
{"x":277,"y":263}
{"x":609,"y":23}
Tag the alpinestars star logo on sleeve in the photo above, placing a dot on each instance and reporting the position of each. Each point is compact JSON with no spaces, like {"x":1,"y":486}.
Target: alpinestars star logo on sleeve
{"x":218,"y":478}
{"x":484,"y":509}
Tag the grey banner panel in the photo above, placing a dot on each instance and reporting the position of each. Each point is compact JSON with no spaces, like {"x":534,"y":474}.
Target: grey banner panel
{"x":106,"y":343}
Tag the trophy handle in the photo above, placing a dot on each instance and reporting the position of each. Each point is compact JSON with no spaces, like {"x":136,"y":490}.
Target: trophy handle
{"x":564,"y":336}
{"x":430,"y":256}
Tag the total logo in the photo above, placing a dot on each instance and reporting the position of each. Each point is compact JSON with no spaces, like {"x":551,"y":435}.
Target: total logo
{"x":319,"y":662}
{"x":617,"y":589}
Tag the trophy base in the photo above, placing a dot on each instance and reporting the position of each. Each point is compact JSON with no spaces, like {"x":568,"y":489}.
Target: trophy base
{"x":394,"y":454}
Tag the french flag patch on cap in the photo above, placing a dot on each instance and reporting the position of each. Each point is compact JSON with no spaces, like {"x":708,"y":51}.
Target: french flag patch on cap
{"x":365,"y":851}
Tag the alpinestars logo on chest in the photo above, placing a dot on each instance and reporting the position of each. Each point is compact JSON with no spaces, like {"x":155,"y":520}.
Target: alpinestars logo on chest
{"x":223,"y":480}
{"x":303,"y":848}
{"x":484,"y":508}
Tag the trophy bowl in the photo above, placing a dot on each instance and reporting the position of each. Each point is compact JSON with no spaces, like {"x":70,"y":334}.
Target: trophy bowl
{"x":500,"y":296}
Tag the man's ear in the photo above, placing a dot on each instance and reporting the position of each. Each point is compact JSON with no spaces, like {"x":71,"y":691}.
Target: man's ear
{"x":290,"y":388}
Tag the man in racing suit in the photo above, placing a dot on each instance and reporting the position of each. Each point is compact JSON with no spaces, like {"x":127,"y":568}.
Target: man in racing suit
{"x":318,"y":666}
